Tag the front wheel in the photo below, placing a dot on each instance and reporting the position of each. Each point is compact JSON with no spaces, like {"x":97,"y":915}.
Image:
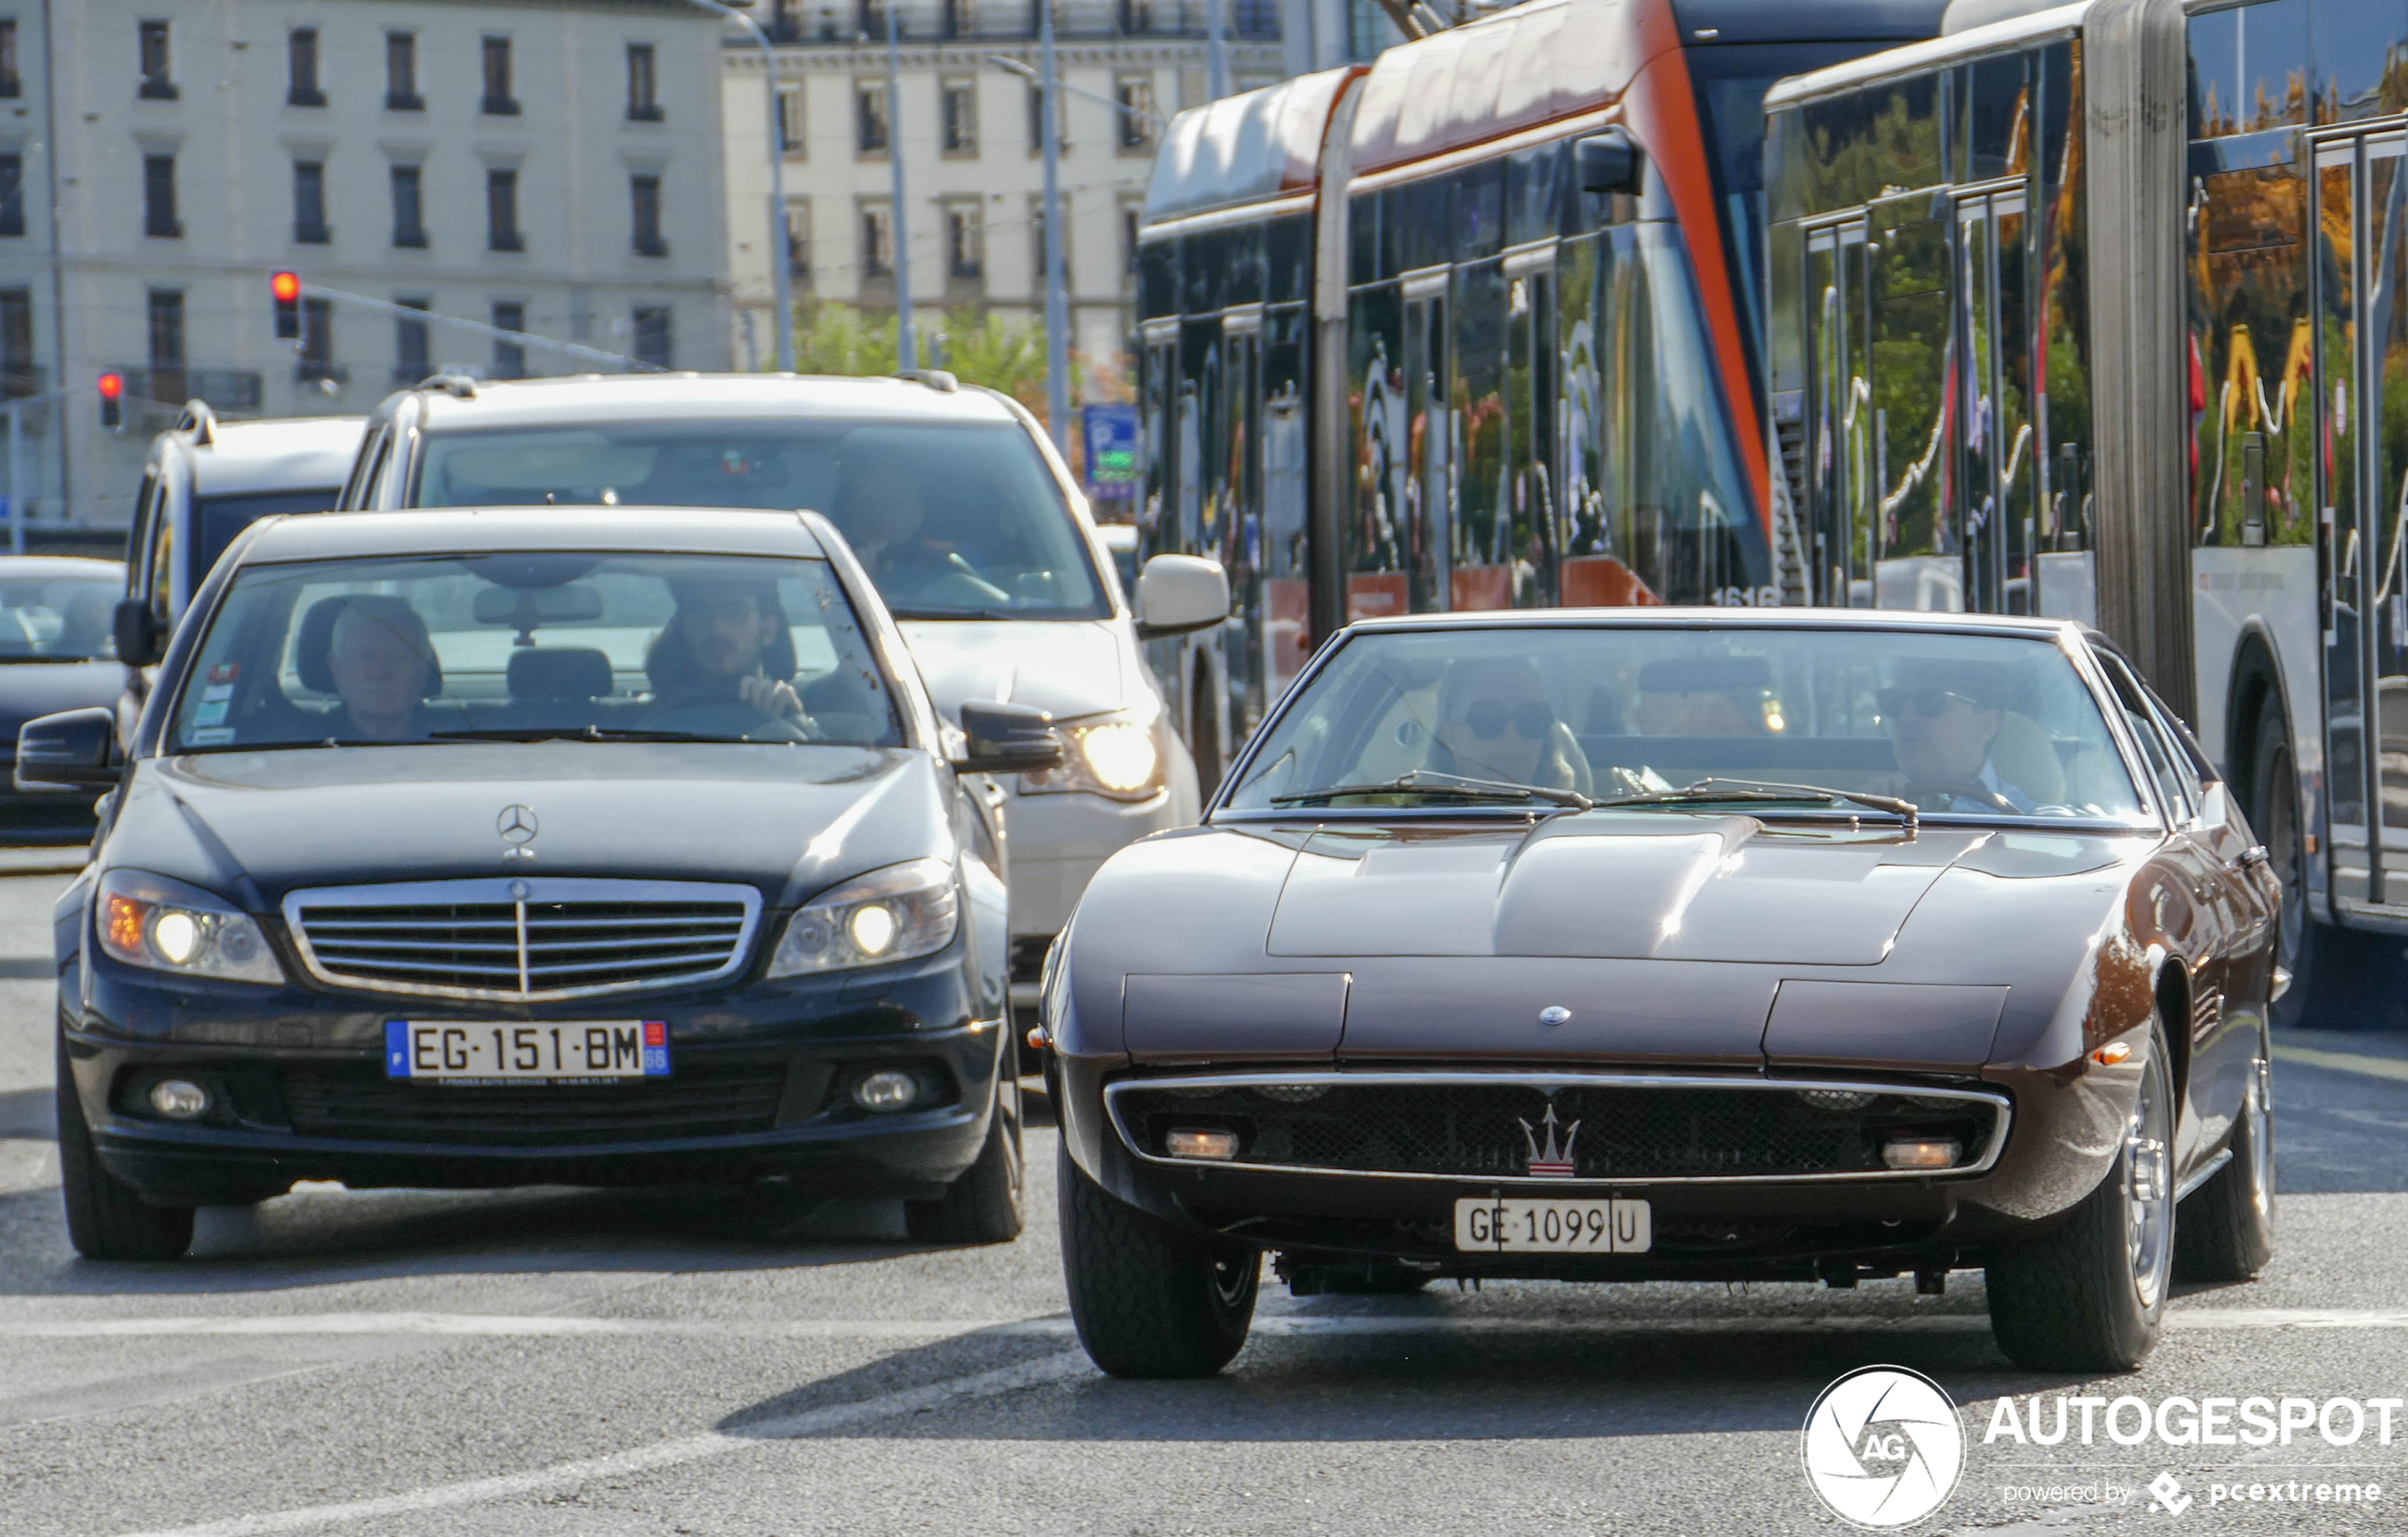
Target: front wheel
{"x":983,"y":1206}
{"x":1148,"y":1302}
{"x":2227,"y":1229}
{"x":2089,"y":1294}
{"x":106,"y":1218}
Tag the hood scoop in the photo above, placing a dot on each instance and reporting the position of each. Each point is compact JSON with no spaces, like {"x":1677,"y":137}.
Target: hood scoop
{"x":1625,"y":886}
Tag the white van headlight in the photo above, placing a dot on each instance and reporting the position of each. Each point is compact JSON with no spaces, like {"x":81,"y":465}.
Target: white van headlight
{"x":891,"y":914}
{"x":1112,"y":755}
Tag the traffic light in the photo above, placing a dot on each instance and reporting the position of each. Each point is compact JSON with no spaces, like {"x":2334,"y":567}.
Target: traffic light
{"x":113,"y":401}
{"x":286,"y":287}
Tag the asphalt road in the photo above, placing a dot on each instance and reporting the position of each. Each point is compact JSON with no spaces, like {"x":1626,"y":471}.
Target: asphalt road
{"x":405,"y":1364}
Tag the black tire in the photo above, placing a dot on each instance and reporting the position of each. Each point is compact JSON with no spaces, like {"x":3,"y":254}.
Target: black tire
{"x":106,"y":1219}
{"x":2325,"y":967}
{"x":1148,"y":1302}
{"x":983,"y":1206}
{"x":1204,"y":740}
{"x":2226,"y":1232}
{"x":2084,"y":1296}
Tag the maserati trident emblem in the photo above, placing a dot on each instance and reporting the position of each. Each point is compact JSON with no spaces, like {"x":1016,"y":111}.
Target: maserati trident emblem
{"x":1550,"y":1162}
{"x":517,"y":825}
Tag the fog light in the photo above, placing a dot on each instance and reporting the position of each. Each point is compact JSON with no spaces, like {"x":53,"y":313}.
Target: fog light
{"x":179,"y":1100}
{"x":1190,"y":1142}
{"x":886,"y":1090}
{"x":1922,"y":1152}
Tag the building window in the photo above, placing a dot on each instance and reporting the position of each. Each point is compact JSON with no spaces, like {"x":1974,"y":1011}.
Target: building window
{"x":11,"y":83}
{"x":653,"y":336}
{"x":1036,"y":241}
{"x":158,"y":85}
{"x":870,"y":128}
{"x":12,"y":195}
{"x":1134,"y":96}
{"x":413,"y":360}
{"x":1136,"y":16}
{"x":798,"y":241}
{"x":318,"y":344}
{"x":502,"y":211}
{"x":159,"y":198}
{"x":962,"y":243}
{"x":870,"y":19}
{"x":410,"y":208}
{"x":959,"y":128}
{"x":643,"y":192}
{"x":1036,"y":120}
{"x":300,"y":68}
{"x":19,"y":374}
{"x":877,"y":241}
{"x":167,"y":343}
{"x":790,"y":119}
{"x":958,"y":18}
{"x":509,"y":358}
{"x":501,"y":99}
{"x":401,"y":73}
{"x":1130,"y":219}
{"x":309,"y":203}
{"x":643,"y":84}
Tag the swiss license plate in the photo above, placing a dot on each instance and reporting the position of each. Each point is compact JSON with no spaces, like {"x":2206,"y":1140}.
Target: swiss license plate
{"x":567,"y":1053}
{"x":1526,"y":1226}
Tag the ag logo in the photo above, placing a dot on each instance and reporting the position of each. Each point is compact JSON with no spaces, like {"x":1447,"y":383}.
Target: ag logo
{"x":1882,"y":1447}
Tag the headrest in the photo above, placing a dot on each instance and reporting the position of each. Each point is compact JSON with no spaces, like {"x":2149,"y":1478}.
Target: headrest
{"x":559,"y":672}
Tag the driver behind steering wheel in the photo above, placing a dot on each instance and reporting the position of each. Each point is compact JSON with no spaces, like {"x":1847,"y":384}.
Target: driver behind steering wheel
{"x":727,"y":644}
{"x":1944,"y":719}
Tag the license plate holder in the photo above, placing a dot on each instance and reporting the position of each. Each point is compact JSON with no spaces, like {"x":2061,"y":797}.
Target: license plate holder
{"x":1553,"y":1225}
{"x":488,"y":1052}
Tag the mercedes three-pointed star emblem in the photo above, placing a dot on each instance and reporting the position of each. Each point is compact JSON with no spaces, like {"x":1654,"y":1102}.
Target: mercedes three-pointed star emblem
{"x":517,"y":825}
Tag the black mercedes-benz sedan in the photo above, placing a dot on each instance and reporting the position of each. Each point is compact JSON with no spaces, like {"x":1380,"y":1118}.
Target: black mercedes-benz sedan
{"x":499,"y":847}
{"x":1660,"y":944}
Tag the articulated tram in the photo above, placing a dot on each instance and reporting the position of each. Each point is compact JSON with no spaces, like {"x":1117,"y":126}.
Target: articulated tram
{"x":1407,"y":346}
{"x":2098,"y":311}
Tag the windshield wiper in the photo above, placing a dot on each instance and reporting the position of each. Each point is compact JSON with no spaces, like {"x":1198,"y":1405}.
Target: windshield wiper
{"x":580,"y":733}
{"x":1429,"y":781}
{"x":959,"y":614}
{"x":1711,"y":790}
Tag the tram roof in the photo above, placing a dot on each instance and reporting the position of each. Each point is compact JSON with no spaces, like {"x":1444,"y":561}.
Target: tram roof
{"x":1249,"y":148}
{"x":1973,"y":26}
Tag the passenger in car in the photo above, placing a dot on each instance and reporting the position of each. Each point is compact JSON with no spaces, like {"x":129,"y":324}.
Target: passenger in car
{"x":383,"y":666}
{"x":1495,"y":722}
{"x":728,"y":643}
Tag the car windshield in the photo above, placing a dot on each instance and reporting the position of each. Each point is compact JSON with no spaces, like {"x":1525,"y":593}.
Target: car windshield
{"x":952,"y":520}
{"x":58,"y":618}
{"x":545,"y":645}
{"x":1982,"y":726}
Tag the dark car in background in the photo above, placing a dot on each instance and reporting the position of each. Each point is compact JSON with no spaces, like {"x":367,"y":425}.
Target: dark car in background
{"x":490,"y":847}
{"x":58,"y":652}
{"x":1678,"y":945}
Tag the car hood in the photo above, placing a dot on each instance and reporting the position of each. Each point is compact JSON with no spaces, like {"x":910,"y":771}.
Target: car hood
{"x":1071,"y":668}
{"x":29,"y":689}
{"x":790,"y":820}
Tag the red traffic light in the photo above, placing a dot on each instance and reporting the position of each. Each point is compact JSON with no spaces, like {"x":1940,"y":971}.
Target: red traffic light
{"x":112,"y":386}
{"x":284,"y":286}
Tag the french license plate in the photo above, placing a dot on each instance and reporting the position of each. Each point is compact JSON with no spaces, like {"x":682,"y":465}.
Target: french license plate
{"x":579,"y":1052}
{"x":1526,"y":1226}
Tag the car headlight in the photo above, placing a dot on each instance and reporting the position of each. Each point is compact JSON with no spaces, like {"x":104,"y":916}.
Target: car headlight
{"x":1113,"y":755}
{"x":890,"y":914}
{"x":147,"y":920}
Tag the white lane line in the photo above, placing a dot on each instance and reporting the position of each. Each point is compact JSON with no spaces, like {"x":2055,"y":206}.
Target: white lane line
{"x":2372,"y":1066}
{"x":503,"y":1325}
{"x":669,"y":1454}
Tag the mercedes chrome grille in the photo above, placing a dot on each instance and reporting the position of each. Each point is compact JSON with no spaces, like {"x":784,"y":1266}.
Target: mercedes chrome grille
{"x":523,"y":940}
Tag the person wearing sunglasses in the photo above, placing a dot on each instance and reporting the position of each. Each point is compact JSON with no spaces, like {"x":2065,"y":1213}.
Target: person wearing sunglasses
{"x":1495,"y":722}
{"x":1943,"y":719}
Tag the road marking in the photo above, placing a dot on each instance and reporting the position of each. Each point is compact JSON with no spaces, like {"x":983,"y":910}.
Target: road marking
{"x":669,"y":1454}
{"x":505,"y":1325}
{"x":2372,"y":1066}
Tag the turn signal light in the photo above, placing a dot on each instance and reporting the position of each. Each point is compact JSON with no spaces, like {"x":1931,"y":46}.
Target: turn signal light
{"x":1922,"y":1152}
{"x":1190,"y":1142}
{"x":2113,"y":1052}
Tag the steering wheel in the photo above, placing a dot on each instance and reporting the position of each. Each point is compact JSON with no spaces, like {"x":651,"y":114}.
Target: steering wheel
{"x":728,"y":718}
{"x":1948,"y":791}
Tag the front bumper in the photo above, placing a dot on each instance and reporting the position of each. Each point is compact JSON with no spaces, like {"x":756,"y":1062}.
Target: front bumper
{"x":759,"y":1087}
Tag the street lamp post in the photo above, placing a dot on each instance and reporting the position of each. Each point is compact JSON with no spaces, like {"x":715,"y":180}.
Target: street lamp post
{"x":906,"y":337}
{"x":1057,"y":299}
{"x":780,"y":259}
{"x":1215,"y":53}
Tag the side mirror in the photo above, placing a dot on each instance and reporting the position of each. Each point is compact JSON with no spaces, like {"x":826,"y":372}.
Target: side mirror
{"x":1180,"y":592}
{"x":1610,"y":162}
{"x":1008,"y":739}
{"x":138,"y":634}
{"x":74,"y":750}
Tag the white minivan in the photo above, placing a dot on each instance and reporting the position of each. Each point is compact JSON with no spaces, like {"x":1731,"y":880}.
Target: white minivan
{"x":966,"y":518}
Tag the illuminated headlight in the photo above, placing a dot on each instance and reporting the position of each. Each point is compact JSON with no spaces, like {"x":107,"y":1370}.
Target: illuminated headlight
{"x":1114,"y":755}
{"x":890,"y":914}
{"x":149,"y":921}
